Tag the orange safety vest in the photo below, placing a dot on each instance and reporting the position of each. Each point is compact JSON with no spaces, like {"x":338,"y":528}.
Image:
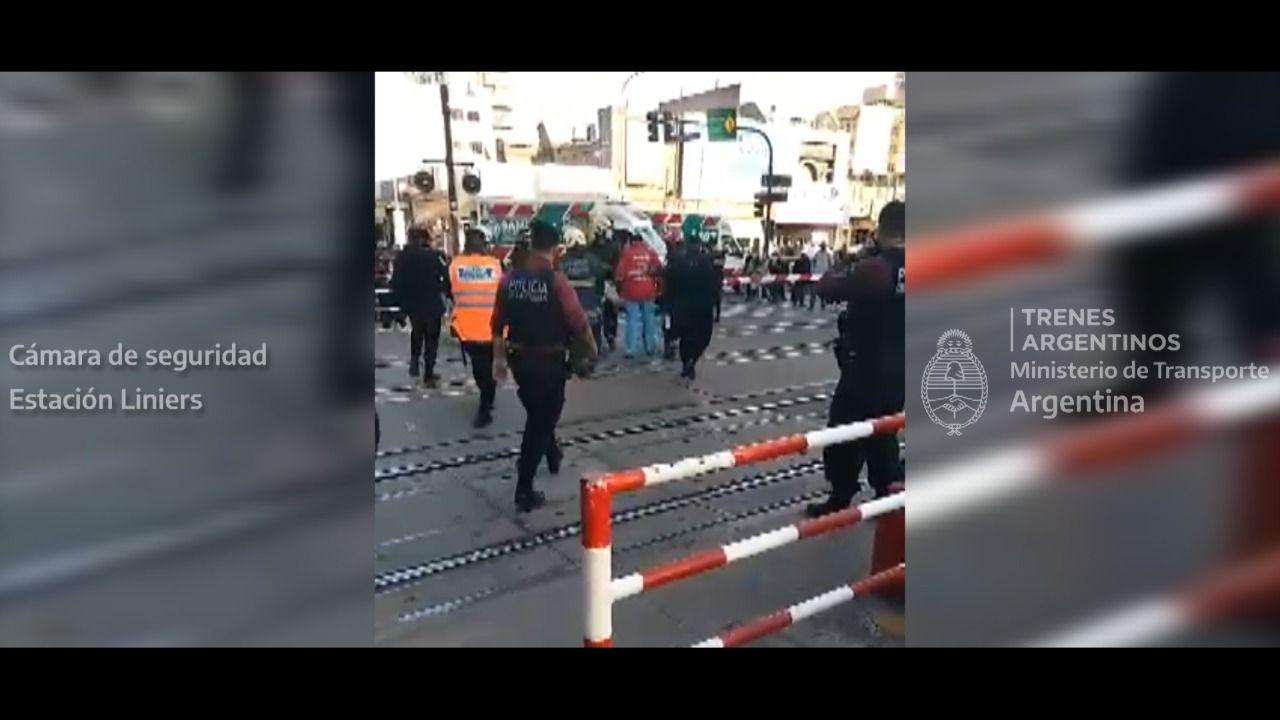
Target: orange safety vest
{"x":474,"y":280}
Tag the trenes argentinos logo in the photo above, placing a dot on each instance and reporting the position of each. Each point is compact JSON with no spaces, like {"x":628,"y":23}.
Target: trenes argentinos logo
{"x":954,"y":386}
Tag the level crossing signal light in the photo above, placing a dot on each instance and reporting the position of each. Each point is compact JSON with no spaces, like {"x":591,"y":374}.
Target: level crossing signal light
{"x":652,"y":117}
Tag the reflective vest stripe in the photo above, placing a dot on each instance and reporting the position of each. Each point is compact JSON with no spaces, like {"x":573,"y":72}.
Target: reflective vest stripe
{"x":474,"y":301}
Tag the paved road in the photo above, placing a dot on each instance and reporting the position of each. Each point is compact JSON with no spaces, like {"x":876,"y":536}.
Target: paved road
{"x":764,"y":377}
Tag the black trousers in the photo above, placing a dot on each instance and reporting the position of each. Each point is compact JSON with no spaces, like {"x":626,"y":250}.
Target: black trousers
{"x":540,"y":379}
{"x":855,"y":400}
{"x":694,"y":328}
{"x":610,"y":322}
{"x":481,"y":357}
{"x":424,"y":335}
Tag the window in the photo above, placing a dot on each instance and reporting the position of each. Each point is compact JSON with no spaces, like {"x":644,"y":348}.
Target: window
{"x":473,"y":116}
{"x":457,"y":144}
{"x":477,"y":148}
{"x":456,"y":114}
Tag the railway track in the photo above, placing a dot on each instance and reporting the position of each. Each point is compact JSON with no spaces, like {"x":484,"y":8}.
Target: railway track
{"x":396,"y":580}
{"x":395,"y":473}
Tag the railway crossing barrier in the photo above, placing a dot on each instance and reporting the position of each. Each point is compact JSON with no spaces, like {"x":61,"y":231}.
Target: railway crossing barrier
{"x":602,"y":590}
{"x":955,"y":259}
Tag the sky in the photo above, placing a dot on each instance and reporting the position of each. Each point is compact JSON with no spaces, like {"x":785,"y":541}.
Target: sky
{"x":569,"y":100}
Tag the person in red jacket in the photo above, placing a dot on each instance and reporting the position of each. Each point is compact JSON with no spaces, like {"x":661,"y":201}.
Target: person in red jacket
{"x":637,"y":278}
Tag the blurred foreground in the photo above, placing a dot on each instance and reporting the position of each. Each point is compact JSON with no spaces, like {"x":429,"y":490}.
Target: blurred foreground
{"x":180,"y":210}
{"x":1148,"y":526}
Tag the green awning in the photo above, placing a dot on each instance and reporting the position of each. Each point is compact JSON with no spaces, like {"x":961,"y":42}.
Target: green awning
{"x":553,"y":213}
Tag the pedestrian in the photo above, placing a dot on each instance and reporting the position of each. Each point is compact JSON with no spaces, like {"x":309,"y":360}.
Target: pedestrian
{"x":670,"y":329}
{"x":636,"y":276}
{"x":586,"y":274}
{"x":801,"y":266}
{"x":605,"y":248}
{"x":540,"y":310}
{"x":420,"y":282}
{"x":473,"y":279}
{"x":821,"y":266}
{"x":520,"y":251}
{"x":873,"y":377}
{"x":718,"y":259}
{"x":693,"y":285}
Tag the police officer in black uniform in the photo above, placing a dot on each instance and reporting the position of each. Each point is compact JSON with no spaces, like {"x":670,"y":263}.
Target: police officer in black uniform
{"x":541,"y":310}
{"x":719,"y":258}
{"x":873,"y":375}
{"x":692,"y":290}
{"x":666,"y":305}
{"x":586,"y":274}
{"x":605,"y":248}
{"x":420,"y":283}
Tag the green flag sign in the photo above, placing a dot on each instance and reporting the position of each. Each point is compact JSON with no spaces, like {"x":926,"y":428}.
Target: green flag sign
{"x":722,"y":124}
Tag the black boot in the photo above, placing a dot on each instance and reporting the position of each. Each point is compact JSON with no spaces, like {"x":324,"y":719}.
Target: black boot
{"x":529,"y":501}
{"x":484,"y":418}
{"x":826,"y":507}
{"x":431,"y":380}
{"x":414,"y":368}
{"x":554,"y":457}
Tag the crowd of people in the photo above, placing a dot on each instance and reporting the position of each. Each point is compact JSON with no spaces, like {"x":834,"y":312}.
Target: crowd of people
{"x":551,"y":310}
{"x":800,"y":293}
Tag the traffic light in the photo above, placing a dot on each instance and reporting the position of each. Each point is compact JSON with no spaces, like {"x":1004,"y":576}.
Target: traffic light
{"x":759,"y":209}
{"x":669,"y":132}
{"x":652,"y":117}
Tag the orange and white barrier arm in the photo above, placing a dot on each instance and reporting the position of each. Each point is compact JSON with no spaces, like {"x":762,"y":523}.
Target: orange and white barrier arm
{"x":959,"y":256}
{"x":1239,"y":590}
{"x":936,"y":496}
{"x":597,"y":500}
{"x":660,"y":473}
{"x":770,"y":624}
{"x":638,"y":582}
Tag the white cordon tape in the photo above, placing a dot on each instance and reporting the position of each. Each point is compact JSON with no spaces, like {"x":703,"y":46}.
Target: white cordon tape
{"x":943,"y":494}
{"x":769,"y":279}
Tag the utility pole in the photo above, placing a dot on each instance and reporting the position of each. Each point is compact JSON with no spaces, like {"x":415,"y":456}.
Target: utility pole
{"x":768,"y":188}
{"x":452,"y":246}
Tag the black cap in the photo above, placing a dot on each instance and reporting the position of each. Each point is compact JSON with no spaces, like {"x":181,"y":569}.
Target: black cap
{"x":543,"y":236}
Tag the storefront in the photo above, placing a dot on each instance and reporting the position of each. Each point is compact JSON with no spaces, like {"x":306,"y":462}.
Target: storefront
{"x":811,"y":216}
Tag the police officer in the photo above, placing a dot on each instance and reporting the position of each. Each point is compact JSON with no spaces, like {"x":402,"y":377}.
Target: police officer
{"x":605,"y":248}
{"x":718,"y":258}
{"x":873,"y":376}
{"x":420,"y":282}
{"x":541,"y":311}
{"x":474,"y":278}
{"x":586,"y":274}
{"x":666,"y":303}
{"x":692,"y":289}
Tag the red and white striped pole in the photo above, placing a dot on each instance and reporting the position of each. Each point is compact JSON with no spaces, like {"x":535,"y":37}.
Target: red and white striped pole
{"x":884,"y":580}
{"x":598,"y":492}
{"x":734,"y":282}
{"x":956,"y":257}
{"x":665,"y":574}
{"x":629,"y":480}
{"x":597,"y":562}
{"x":938,"y":495}
{"x":1245,"y":588}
